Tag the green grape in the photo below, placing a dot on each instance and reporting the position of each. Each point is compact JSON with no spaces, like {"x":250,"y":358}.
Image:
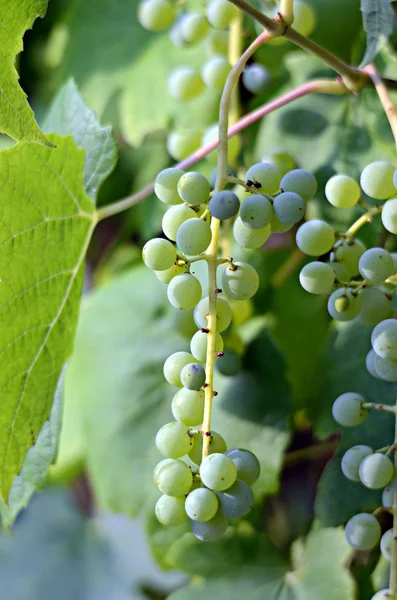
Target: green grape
{"x":198,"y":345}
{"x":278,"y":227}
{"x":184,"y":291}
{"x":317,"y":278}
{"x":193,"y":236}
{"x":255,"y":78}
{"x":348,"y":254}
{"x":182,"y":143}
{"x":174,"y":365}
{"x":376,"y":471}
{"x":184,"y":323}
{"x":342,"y":191}
{"x":256,"y":211}
{"x":370,"y":363}
{"x":173,"y":440}
{"x":193,"y":376}
{"x":175,"y":33}
{"x":352,"y":459}
{"x":218,"y":42}
{"x":194,"y":27}
{"x":170,"y":510}
{"x":188,"y":406}
{"x":282,"y":160}
{"x":168,"y":274}
{"x":265,"y":174}
{"x":242,"y":311}
{"x":173,"y":477}
{"x":315,"y":237}
{"x":230,"y":365}
{"x":301,"y":182}
{"x":363,"y":531}
{"x":386,"y":544}
{"x":375,"y":306}
{"x":385,"y":368}
{"x":221,"y":13}
{"x":247,"y":465}
{"x":211,"y":135}
{"x":304,"y":18}
{"x":388,"y":497}
{"x":384,"y":339}
{"x":247,"y":237}
{"x":215,"y":72}
{"x":210,"y":531}
{"x":223,"y":313}
{"x":340,"y":271}
{"x":174,"y":217}
{"x":156,"y":15}
{"x":377,"y":180}
{"x":165,"y":186}
{"x":382,"y":595}
{"x":376,"y":265}
{"x":218,"y":472}
{"x":348,"y":410}
{"x":194,"y":188}
{"x":159,"y":254}
{"x":224,"y":205}
{"x":201,"y":505}
{"x":389,"y":215}
{"x":240,"y":282}
{"x":289,"y":208}
{"x":217,"y":444}
{"x":350,"y":308}
{"x":237,"y":501}
{"x":185,"y":84}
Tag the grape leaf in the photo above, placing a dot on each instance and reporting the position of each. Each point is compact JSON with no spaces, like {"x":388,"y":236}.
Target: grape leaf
{"x":16,"y":116}
{"x":46,"y":221}
{"x":378,"y":19}
{"x":69,"y":115}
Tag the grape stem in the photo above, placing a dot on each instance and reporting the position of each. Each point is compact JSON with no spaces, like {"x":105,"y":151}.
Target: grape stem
{"x":287,"y":11}
{"x":365,"y":218}
{"x":384,"y":97}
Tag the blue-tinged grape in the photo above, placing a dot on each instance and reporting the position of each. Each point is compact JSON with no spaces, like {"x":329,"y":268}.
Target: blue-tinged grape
{"x":375,"y":306}
{"x":301,"y":182}
{"x":376,"y":471}
{"x":218,"y":472}
{"x":340,"y":270}
{"x":265,"y":174}
{"x":173,"y":440}
{"x":370,"y":363}
{"x":156,"y":15}
{"x":185,"y":84}
{"x":363,"y":531}
{"x":317,"y":278}
{"x":184,"y":291}
{"x":174,"y":217}
{"x":217,"y":444}
{"x":218,"y":42}
{"x":221,"y":13}
{"x":211,"y":135}
{"x":389,"y":215}
{"x":210,"y":531}
{"x":289,"y":208}
{"x":256,"y":211}
{"x":376,"y":265}
{"x":170,"y":510}
{"x":384,"y":339}
{"x":255,"y":78}
{"x":230,"y":365}
{"x":342,"y":191}
{"x":237,"y":501}
{"x":278,"y":227}
{"x":194,"y":27}
{"x":385,"y":368}
{"x":188,"y":406}
{"x":247,"y":465}
{"x":352,"y":459}
{"x":348,"y":253}
{"x":159,"y":254}
{"x":199,"y":343}
{"x":215,"y":72}
{"x":315,"y":237}
{"x":224,"y":205}
{"x":193,"y":376}
{"x":183,"y":142}
{"x":165,"y":186}
{"x":344,"y":305}
{"x":348,"y":410}
{"x":382,"y":595}
{"x":223,"y":313}
{"x":168,"y":274}
{"x":386,"y":544}
{"x":377,"y":180}
{"x":194,"y":188}
{"x":250,"y":238}
{"x":173,"y":477}
{"x":173,"y":367}
{"x":193,"y":236}
{"x":240,"y":281}
{"x":201,"y":505}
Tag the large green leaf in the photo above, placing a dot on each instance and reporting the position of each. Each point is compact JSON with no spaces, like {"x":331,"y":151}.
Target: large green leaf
{"x":46,"y":221}
{"x":378,"y":19}
{"x":16,"y":116}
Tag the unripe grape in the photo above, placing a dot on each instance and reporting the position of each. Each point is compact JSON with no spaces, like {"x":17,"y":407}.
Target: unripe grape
{"x":317,"y":278}
{"x":240,"y":282}
{"x":265,"y":174}
{"x":185,"y":84}
{"x":352,"y":459}
{"x":247,"y":237}
{"x":385,"y":368}
{"x":348,"y":411}
{"x":215,"y":72}
{"x":349,"y":253}
{"x":217,"y":444}
{"x":173,"y":477}
{"x":363,"y":531}
{"x":255,"y":78}
{"x":341,"y":272}
{"x":174,"y":365}
{"x":175,"y":33}
{"x":194,"y":188}
{"x":247,"y":465}
{"x":375,"y":306}
{"x":384,"y":339}
{"x":382,"y":595}
{"x":184,"y":291}
{"x":168,"y":274}
{"x":224,"y":205}
{"x":315,"y":237}
{"x":389,"y":215}
{"x":230,"y":365}
{"x":193,"y":237}
{"x":237,"y":501}
{"x":218,"y":472}
{"x":218,"y":42}
{"x":386,"y":544}
{"x":370,"y":363}
{"x":289,"y":208}
{"x":256,"y":211}
{"x":201,"y":505}
{"x":210,"y":531}
{"x":165,"y":186}
{"x":301,"y":182}
{"x":223,"y":313}
{"x":376,"y":265}
{"x":221,"y":13}
{"x":173,"y":440}
{"x":342,"y":191}
{"x":278,"y":227}
{"x":193,"y":376}
{"x":156,"y":15}
{"x":174,"y":217}
{"x":347,"y":310}
{"x":194,"y":27}
{"x":388,"y":497}
{"x":170,"y":510}
{"x":377,"y":180}
{"x":159,"y":254}
{"x":304,"y":18}
{"x":376,"y":471}
{"x":199,"y":343}
{"x":183,"y":142}
{"x":188,"y":407}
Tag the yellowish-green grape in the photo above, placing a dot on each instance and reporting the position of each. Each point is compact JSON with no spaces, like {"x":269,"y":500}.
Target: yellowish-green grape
{"x":201,"y":505}
{"x":218,"y":42}
{"x":317,"y":278}
{"x":194,"y":27}
{"x":174,"y":365}
{"x":194,"y":188}
{"x":199,"y":343}
{"x":215,"y":72}
{"x":184,"y":291}
{"x":185,"y":84}
{"x":168,"y":274}
{"x":348,"y":253}
{"x":304,"y":18}
{"x":267,"y":175}
{"x":173,"y":477}
{"x":376,"y":471}
{"x":377,"y":180}
{"x":218,"y":472}
{"x":247,"y":237}
{"x":223,"y":313}
{"x":173,"y":440}
{"x":389,"y":215}
{"x":182,"y":143}
{"x":174,"y":217}
{"x":315,"y":237}
{"x":217,"y":444}
{"x":156,"y":15}
{"x":240,"y":281}
{"x":188,"y":407}
{"x":342,"y":191}
{"x":363,"y":531}
{"x":165,"y":186}
{"x":170,"y":510}
{"x":220,"y":13}
{"x":159,"y":254}
{"x":193,"y":237}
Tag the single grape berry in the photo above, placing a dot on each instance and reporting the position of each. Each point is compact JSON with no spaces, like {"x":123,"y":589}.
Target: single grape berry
{"x":342,"y":191}
{"x":194,"y":27}
{"x":256,"y":211}
{"x":188,"y":407}
{"x":174,"y":365}
{"x":289,"y":208}
{"x":199,"y":343}
{"x":340,"y":270}
{"x":165,"y":186}
{"x":174,"y":217}
{"x":304,"y":18}
{"x":223,"y":313}
{"x":237,"y":501}
{"x":210,"y":531}
{"x":201,"y":505}
{"x":156,"y":15}
{"x":348,"y":410}
{"x":279,"y":227}
{"x":389,"y":216}
{"x":344,"y":305}
{"x":193,"y":236}
{"x":170,"y":510}
{"x":385,"y":368}
{"x":217,"y":42}
{"x":240,"y":281}
{"x":301,"y":182}
{"x":376,"y":265}
{"x":159,"y":254}
{"x":215,"y":72}
{"x":185,"y":84}
{"x":218,"y":472}
{"x":173,"y":440}
{"x":317,"y":278}
{"x":183,"y":142}
{"x":376,"y":471}
{"x":193,"y":376}
{"x":315,"y":237}
{"x":247,"y":465}
{"x":384,"y":339}
{"x":386,"y":544}
{"x":194,"y":188}
{"x":266,"y":175}
{"x":377,"y":180}
{"x":255,"y":78}
{"x":352,"y":459}
{"x":363,"y":531}
{"x":247,"y":237}
{"x":184,"y":291}
{"x":217,"y":444}
{"x":221,"y":13}
{"x":224,"y":205}
{"x":348,"y":253}
{"x":173,"y":477}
